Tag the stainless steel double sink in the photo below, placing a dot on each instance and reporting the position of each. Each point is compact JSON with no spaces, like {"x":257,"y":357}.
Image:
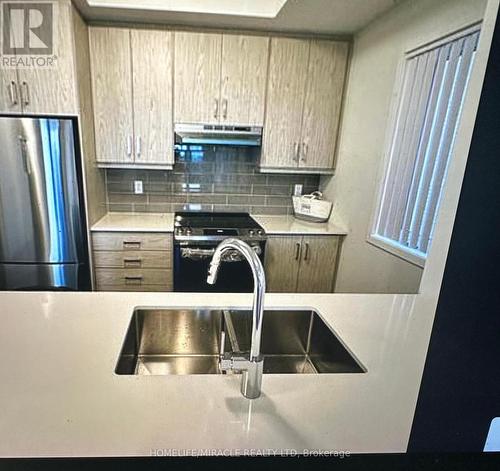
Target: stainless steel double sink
{"x":189,"y":342}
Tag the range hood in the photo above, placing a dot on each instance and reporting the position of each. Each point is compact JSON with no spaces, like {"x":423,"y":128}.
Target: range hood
{"x":218,"y":134}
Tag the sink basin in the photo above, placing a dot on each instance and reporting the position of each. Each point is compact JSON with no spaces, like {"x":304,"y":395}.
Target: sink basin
{"x":189,"y":341}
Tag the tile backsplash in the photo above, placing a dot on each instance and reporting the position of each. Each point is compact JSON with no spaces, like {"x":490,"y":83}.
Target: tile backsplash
{"x":207,"y":178}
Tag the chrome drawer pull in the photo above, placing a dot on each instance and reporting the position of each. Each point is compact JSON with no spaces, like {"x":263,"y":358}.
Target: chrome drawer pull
{"x":132,"y":262}
{"x":130,"y":244}
{"x":133,"y":279}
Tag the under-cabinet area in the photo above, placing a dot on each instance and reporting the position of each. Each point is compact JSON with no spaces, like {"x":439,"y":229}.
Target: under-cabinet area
{"x":157,"y":261}
{"x":325,"y":150}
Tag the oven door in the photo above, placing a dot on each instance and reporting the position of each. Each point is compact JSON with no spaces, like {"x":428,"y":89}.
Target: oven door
{"x":191,"y":270}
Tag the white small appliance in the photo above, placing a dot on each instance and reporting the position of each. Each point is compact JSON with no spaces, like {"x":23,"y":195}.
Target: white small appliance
{"x":312,"y":207}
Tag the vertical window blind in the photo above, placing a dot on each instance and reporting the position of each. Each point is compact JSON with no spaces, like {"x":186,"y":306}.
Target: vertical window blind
{"x":431,"y":99}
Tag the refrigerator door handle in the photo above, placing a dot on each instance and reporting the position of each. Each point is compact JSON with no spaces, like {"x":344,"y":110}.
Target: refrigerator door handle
{"x":24,"y":153}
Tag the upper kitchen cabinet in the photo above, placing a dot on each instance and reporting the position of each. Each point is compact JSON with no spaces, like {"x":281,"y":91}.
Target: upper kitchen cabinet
{"x":197,"y":77}
{"x":305,"y":89}
{"x":132,"y":95}
{"x":45,"y":89}
{"x":323,"y":99}
{"x":152,"y":78}
{"x":285,"y":101}
{"x":112,"y":94}
{"x":220,"y":78}
{"x":244,"y":74}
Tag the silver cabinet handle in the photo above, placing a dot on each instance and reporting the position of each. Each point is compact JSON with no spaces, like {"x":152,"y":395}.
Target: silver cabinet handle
{"x":25,"y":94}
{"x":296,"y":151}
{"x":133,"y":279}
{"x":224,"y":108}
{"x":129,"y":145}
{"x":216,"y":107}
{"x":132,"y":262}
{"x":297,"y":250}
{"x":14,"y":99}
{"x":304,"y":152}
{"x":138,"y":146}
{"x":131,"y":244}
{"x":306,"y":255}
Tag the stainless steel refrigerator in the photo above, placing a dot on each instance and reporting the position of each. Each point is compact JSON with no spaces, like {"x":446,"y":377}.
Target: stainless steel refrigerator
{"x":43,"y":244}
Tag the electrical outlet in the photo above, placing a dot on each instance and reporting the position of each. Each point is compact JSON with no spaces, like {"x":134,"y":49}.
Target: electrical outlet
{"x":138,"y":189}
{"x":297,"y":190}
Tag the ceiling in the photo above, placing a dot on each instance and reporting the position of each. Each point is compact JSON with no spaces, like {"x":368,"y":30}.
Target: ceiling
{"x":252,"y":8}
{"x":333,"y":17}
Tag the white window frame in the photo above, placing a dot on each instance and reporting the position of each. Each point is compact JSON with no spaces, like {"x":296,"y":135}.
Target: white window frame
{"x":388,"y":245}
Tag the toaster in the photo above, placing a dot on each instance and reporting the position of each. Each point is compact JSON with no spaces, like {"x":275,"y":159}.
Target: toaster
{"x":312,"y":207}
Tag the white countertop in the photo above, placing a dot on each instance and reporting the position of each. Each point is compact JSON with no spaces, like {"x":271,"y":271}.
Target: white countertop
{"x":164,"y":222}
{"x":60,"y":396}
{"x":291,"y":225}
{"x":135,"y":222}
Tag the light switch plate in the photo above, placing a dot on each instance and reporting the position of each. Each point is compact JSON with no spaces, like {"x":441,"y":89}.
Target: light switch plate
{"x":297,"y":190}
{"x":138,"y":188}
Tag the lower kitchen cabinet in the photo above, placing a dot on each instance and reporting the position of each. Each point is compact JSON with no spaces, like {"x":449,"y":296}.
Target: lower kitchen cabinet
{"x":132,"y":261}
{"x":302,"y":264}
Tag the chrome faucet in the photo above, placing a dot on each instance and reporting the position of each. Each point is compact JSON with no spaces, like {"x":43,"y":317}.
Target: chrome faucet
{"x":251,"y":367}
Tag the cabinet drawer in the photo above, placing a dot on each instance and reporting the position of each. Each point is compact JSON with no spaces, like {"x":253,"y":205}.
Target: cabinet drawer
{"x":133,"y":277}
{"x":131,"y":241}
{"x":155,"y":288}
{"x":133,"y":259}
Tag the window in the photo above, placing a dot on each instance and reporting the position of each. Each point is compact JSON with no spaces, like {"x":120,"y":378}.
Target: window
{"x":433,"y":90}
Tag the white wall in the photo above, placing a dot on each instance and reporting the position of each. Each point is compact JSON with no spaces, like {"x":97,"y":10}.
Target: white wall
{"x":377,"y":57}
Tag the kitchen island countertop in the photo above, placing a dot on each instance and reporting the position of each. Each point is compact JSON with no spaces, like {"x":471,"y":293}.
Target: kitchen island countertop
{"x":61,"y":397}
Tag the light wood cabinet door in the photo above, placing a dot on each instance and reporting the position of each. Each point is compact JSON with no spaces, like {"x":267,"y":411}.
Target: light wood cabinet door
{"x":282,"y":261}
{"x":323,"y":99}
{"x":112,"y":94}
{"x":152,"y":72}
{"x":318,"y":264}
{"x":285,"y":100}
{"x":244,"y":75}
{"x":10,"y":98}
{"x":53,"y":90}
{"x":197,"y":77}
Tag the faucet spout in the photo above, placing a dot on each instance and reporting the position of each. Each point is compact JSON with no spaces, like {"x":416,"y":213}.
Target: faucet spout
{"x":213,"y":270}
{"x":252,"y":367}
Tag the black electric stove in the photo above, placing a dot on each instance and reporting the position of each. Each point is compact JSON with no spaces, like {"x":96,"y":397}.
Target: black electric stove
{"x":202,"y":227}
{"x":197,"y":234}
